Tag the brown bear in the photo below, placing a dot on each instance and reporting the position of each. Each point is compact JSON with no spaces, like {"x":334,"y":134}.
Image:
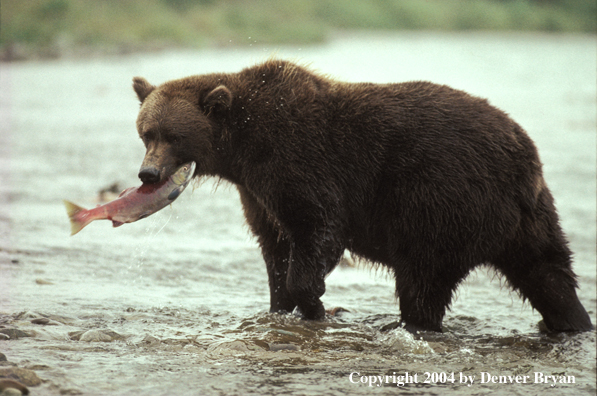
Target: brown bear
{"x":424,"y":179}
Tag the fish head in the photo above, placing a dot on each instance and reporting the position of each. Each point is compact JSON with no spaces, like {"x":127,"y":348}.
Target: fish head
{"x":177,"y":127}
{"x":184,"y":174}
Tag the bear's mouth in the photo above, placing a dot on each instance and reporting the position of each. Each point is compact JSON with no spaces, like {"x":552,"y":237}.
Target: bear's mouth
{"x":166,"y":172}
{"x":151,"y":174}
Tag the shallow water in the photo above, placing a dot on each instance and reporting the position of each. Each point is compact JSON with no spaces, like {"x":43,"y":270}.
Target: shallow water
{"x":177,"y":303}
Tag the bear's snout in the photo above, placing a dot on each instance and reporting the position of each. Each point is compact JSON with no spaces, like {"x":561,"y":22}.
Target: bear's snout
{"x":149,"y":174}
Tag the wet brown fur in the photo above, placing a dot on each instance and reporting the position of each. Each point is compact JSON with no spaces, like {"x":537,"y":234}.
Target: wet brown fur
{"x":424,"y":179}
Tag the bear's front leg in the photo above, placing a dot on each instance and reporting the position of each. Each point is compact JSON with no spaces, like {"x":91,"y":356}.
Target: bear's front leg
{"x":276,"y":253}
{"x":311,"y":260}
{"x":300,"y":243}
{"x":275,"y":248}
{"x":306,"y":284}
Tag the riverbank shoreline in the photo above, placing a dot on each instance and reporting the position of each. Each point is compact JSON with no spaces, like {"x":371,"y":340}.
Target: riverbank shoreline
{"x":52,"y":29}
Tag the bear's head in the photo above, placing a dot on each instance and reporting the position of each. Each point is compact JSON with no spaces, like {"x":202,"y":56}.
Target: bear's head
{"x":179,"y":122}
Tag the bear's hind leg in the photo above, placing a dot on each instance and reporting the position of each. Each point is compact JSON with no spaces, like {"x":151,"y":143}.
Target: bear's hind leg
{"x":547,"y":281}
{"x":537,"y":263}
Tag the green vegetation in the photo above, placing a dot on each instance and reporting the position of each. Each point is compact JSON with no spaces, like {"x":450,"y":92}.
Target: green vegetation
{"x":55,"y":27}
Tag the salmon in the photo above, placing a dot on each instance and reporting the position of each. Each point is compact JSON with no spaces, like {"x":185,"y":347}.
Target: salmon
{"x":134,"y":203}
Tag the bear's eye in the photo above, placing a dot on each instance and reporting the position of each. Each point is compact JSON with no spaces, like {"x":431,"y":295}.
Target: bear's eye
{"x":173,"y":139}
{"x":148,"y":136}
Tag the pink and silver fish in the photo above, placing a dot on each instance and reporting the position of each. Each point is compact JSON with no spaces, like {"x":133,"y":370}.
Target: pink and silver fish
{"x":134,"y":203}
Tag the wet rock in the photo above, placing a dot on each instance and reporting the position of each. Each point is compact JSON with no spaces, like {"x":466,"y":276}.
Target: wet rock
{"x":76,"y":335}
{"x":11,"y":392}
{"x":193,"y":348}
{"x":24,"y":376}
{"x":234,"y":348}
{"x":115,"y":336}
{"x":45,"y":322}
{"x":96,"y":335}
{"x":262,"y":344}
{"x":285,"y":332}
{"x":45,"y":319}
{"x":391,"y":326}
{"x":62,"y":319}
{"x":14,"y":334}
{"x":4,"y":361}
{"x":150,"y":340}
{"x":438,"y":347}
{"x":283,"y":347}
{"x":10,"y":387}
{"x":27,"y":315}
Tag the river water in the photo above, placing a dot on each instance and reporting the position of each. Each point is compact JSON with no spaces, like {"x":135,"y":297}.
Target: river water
{"x":177,"y":303}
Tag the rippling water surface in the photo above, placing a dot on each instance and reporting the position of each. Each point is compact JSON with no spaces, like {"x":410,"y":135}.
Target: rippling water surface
{"x":177,"y":303}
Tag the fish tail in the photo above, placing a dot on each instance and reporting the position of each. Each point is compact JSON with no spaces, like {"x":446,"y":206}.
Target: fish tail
{"x":76,"y":224}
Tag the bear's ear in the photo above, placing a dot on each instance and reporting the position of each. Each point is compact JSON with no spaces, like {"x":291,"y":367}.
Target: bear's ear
{"x":142,"y":88}
{"x":218,"y":99}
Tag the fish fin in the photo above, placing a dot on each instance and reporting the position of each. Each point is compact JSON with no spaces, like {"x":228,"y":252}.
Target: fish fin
{"x":116,"y":223}
{"x":175,"y":193}
{"x":76,"y":224}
